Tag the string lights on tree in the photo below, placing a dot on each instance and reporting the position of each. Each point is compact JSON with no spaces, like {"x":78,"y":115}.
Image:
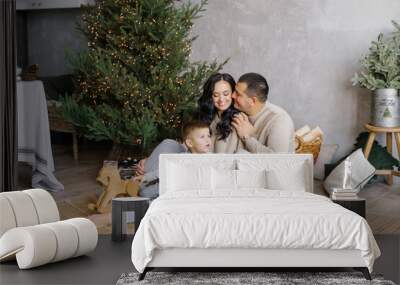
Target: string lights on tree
{"x":135,"y":81}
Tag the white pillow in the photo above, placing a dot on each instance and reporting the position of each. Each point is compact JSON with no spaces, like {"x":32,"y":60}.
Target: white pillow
{"x":251,"y":178}
{"x":183,"y":177}
{"x":291,"y":179}
{"x":283,"y":174}
{"x":361,"y":172}
{"x":224,"y":179}
{"x":232,"y":180}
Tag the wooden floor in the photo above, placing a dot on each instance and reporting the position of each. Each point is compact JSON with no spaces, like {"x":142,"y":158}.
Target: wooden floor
{"x":382,"y":206}
{"x":79,"y":180}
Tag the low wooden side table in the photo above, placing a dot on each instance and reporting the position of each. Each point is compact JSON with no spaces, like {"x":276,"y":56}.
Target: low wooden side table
{"x":373,"y":130}
{"x":356,"y":205}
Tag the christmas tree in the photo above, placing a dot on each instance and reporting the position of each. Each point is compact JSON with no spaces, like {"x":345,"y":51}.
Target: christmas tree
{"x":135,"y":83}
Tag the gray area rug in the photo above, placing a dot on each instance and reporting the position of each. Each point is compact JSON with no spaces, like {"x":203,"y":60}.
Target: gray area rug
{"x":232,"y":278}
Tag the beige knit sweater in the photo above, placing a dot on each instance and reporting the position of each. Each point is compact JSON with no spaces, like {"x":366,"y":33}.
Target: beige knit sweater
{"x":274,"y":131}
{"x":230,"y":145}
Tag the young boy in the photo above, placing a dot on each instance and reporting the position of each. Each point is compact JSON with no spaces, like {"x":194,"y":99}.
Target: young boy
{"x":196,"y":137}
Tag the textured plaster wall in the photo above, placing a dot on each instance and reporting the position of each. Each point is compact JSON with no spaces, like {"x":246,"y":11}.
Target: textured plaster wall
{"x":307,"y":49}
{"x":50,"y":33}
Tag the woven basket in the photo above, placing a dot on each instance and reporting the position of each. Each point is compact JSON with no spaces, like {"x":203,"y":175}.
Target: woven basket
{"x":312,"y":147}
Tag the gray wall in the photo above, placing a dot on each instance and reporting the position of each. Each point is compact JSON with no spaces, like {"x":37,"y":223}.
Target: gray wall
{"x":49,"y":34}
{"x":307,"y":49}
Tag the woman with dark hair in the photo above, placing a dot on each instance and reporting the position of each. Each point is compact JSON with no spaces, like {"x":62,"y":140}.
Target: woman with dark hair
{"x":216,"y":108}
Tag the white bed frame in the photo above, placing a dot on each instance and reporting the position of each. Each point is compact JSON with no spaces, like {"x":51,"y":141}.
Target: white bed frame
{"x":250,"y":258}
{"x":234,"y":257}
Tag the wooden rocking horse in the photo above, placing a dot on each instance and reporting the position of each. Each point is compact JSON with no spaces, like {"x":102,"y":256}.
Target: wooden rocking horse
{"x":113,"y":186}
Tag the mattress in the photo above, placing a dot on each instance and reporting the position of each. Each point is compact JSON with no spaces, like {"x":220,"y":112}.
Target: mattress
{"x":250,"y":219}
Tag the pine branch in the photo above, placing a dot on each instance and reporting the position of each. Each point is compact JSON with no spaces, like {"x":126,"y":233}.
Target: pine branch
{"x":135,"y":82}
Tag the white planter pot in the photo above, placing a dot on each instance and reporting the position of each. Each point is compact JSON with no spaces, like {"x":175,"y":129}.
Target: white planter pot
{"x":386,"y":108}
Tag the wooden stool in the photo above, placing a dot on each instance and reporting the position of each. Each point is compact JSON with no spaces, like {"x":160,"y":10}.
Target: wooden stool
{"x":58,"y":124}
{"x":372,"y":135}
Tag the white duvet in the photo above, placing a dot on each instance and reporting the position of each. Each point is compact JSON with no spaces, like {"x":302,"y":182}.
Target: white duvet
{"x":250,"y":219}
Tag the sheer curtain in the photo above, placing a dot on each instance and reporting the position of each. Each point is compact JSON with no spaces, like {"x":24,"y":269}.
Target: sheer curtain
{"x":8,"y":103}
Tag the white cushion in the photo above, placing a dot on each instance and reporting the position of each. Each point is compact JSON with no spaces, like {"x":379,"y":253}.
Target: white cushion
{"x":87,"y":233}
{"x":285,"y":174}
{"x":252,"y":178}
{"x":224,"y":179}
{"x":293,"y":180}
{"x":169,"y":176}
{"x":40,"y":244}
{"x":7,"y":218}
{"x":67,"y":240}
{"x":361,"y":172}
{"x":34,"y":244}
{"x":26,"y":208}
{"x":45,"y":206}
{"x":184,"y":177}
{"x":23,"y":208}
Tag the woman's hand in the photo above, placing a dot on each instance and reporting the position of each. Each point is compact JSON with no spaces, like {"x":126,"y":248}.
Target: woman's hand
{"x":140,"y":167}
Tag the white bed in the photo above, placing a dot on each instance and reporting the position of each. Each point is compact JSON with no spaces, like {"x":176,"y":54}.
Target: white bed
{"x":215,"y":211}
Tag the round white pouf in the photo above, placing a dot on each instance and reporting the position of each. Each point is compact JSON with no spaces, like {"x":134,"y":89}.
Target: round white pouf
{"x":40,"y":244}
{"x":45,"y":206}
{"x":6,"y":215}
{"x":87,"y":233}
{"x":33,"y":246}
{"x":23,"y":208}
{"x":67,"y":240}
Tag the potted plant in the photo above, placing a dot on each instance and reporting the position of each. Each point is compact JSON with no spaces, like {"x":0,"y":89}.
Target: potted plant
{"x":382,"y":76}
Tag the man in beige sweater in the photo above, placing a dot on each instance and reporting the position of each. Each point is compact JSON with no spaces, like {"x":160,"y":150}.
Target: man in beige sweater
{"x":263,"y":127}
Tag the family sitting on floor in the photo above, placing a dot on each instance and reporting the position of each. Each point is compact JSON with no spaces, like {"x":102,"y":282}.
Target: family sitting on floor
{"x":232,"y":118}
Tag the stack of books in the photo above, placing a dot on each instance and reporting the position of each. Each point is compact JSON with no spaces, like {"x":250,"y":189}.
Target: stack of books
{"x":343,"y":194}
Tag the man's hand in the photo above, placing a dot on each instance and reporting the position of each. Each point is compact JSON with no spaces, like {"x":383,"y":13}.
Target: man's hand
{"x":243,"y":127}
{"x":140,"y":167}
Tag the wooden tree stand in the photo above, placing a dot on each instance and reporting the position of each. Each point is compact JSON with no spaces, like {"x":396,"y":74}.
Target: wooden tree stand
{"x":121,"y":151}
{"x":373,"y":130}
